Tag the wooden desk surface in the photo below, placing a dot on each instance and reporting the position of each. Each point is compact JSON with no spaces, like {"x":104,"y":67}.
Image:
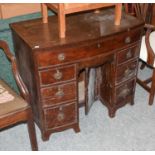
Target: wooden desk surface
{"x":90,"y":25}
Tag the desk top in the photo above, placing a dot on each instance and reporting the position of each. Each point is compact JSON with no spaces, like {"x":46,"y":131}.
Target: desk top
{"x":81,"y":27}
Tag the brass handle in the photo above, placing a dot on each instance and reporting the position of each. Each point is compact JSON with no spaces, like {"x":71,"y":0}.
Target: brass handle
{"x":59,"y":93}
{"x":129,"y":54}
{"x":60,"y":116}
{"x":127,"y":40}
{"x":98,"y":45}
{"x":129,"y":72}
{"x":58,"y":75}
{"x":61,"y":57}
{"x":124,"y":92}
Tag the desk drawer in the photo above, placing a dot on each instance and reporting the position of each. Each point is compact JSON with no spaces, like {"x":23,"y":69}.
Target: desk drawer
{"x":128,"y":54}
{"x":58,"y":94}
{"x":60,"y":116}
{"x":57,"y":75}
{"x":125,"y":91}
{"x":126,"y":71}
{"x":65,"y":55}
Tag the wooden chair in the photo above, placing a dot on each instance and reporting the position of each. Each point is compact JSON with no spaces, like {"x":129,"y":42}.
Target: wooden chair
{"x":147,"y":52}
{"x":63,"y":9}
{"x":129,"y":8}
{"x":15,"y":108}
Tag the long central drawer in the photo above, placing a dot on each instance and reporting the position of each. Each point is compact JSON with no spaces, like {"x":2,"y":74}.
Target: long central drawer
{"x":64,"y":55}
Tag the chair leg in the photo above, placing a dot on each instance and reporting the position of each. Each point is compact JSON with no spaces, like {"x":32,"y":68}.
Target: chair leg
{"x":118,"y":13}
{"x":61,"y":21}
{"x":142,"y":66}
{"x":44,"y":13}
{"x":62,"y":25}
{"x":32,"y":132}
{"x":86,"y":92}
{"x":152,"y":91}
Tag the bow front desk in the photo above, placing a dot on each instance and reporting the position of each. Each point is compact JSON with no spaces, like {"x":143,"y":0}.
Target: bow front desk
{"x":51,"y":66}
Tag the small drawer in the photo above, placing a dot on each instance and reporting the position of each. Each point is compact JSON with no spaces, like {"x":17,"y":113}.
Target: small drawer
{"x":125,"y":91}
{"x":61,"y":116}
{"x":128,"y":54}
{"x":127,"y":71}
{"x":57,"y":75}
{"x":58,"y":94}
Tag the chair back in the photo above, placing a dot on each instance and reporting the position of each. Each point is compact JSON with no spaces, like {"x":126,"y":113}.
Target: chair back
{"x":143,"y":11}
{"x":23,"y":89}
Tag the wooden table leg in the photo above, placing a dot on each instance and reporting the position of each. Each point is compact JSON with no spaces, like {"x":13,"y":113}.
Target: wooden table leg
{"x":44,"y":13}
{"x":118,"y":14}
{"x":62,"y":21}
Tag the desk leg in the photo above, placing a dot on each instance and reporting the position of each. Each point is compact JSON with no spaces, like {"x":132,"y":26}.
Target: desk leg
{"x":76,"y":128}
{"x":132,"y":102}
{"x":112,"y":112}
{"x":45,"y":136}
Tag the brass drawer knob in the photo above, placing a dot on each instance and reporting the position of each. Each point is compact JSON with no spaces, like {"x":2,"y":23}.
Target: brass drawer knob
{"x":128,"y":54}
{"x":61,"y":57}
{"x":129,"y":72}
{"x":127,"y":40}
{"x":125,"y":92}
{"x":98,"y":45}
{"x":60,"y":116}
{"x":126,"y":73}
{"x":59,"y":93}
{"x":58,"y":75}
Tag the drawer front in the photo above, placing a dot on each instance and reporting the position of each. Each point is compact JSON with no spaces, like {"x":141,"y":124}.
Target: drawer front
{"x":125,"y":91}
{"x":58,"y":94}
{"x":60,"y":116}
{"x":127,"y":71}
{"x":66,"y":55}
{"x":128,"y":54}
{"x":57,"y":75}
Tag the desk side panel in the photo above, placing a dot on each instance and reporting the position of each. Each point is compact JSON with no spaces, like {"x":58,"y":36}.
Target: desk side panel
{"x":26,"y":67}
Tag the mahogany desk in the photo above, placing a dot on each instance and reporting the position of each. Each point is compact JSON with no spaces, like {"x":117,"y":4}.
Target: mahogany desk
{"x":50,"y":66}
